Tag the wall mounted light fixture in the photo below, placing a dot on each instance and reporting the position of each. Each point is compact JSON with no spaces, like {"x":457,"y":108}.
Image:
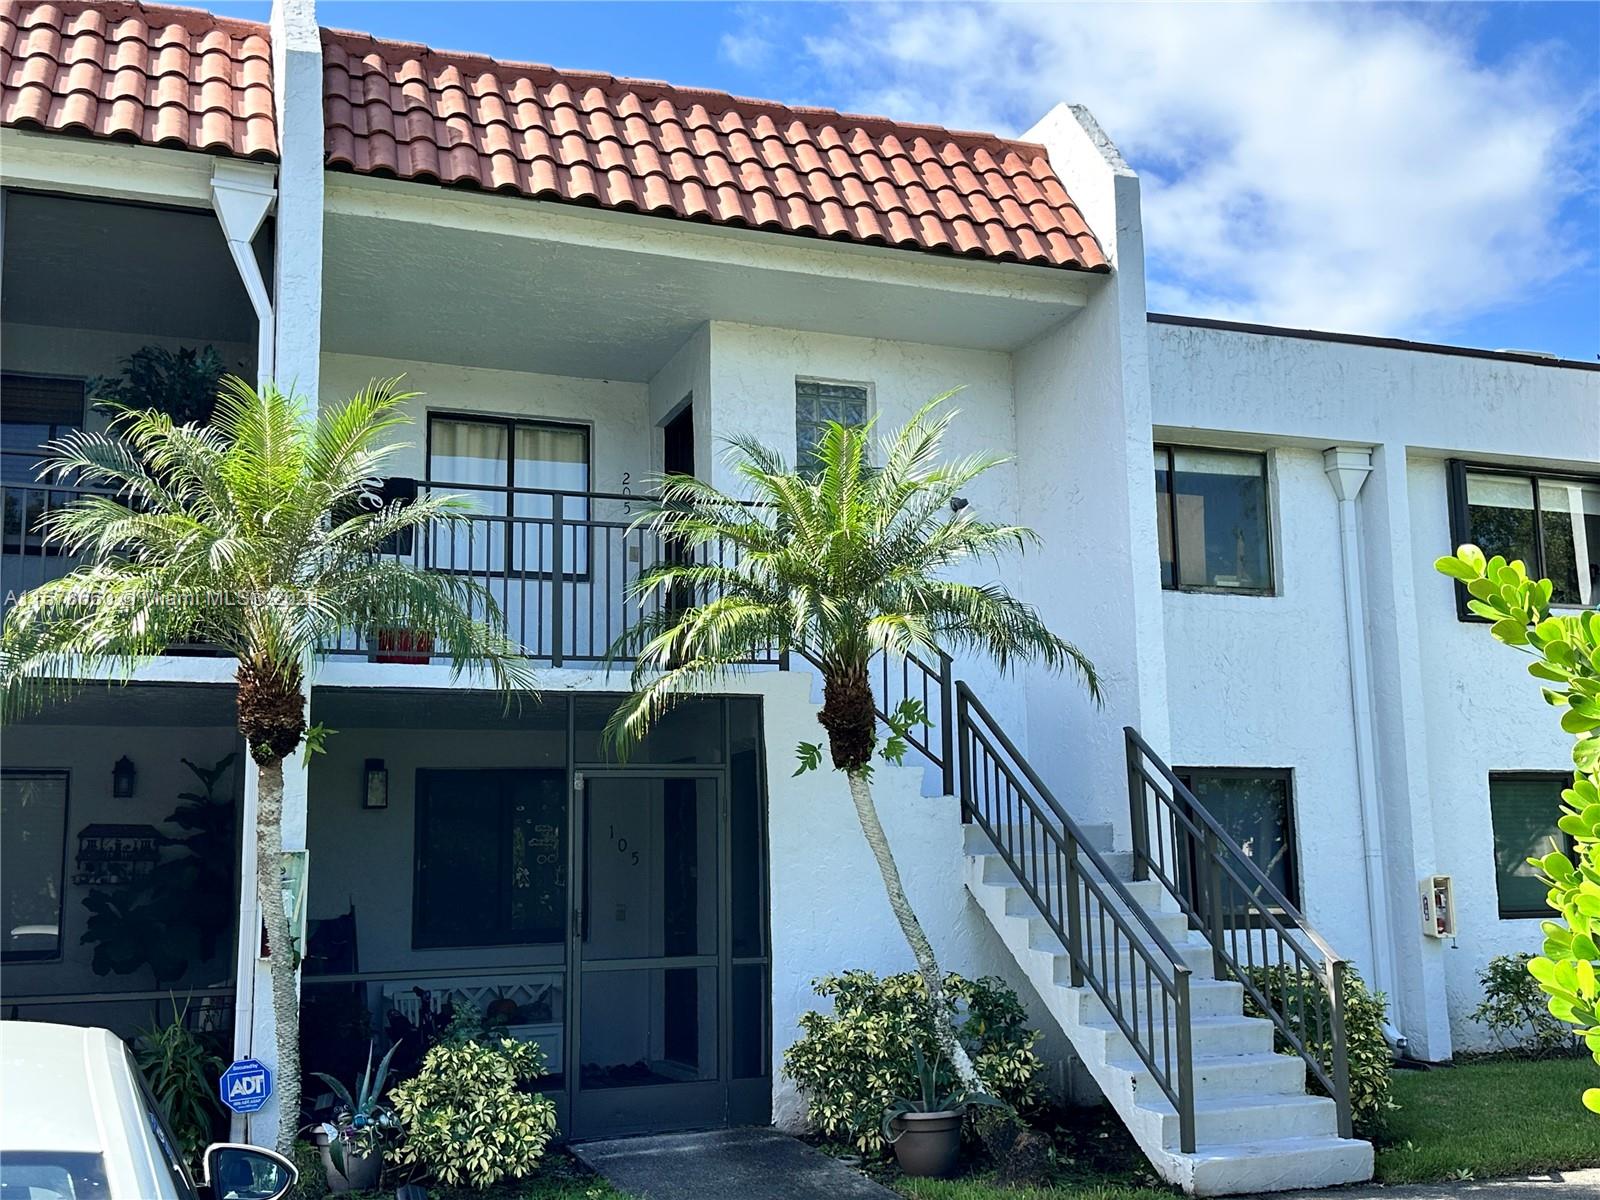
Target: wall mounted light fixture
{"x":124,"y":779}
{"x":375,"y":784}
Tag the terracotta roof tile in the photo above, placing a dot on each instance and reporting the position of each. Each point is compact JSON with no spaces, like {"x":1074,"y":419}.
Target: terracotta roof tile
{"x":162,"y":76}
{"x":396,"y":108}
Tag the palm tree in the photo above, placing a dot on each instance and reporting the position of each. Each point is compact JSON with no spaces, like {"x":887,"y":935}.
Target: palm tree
{"x":843,"y":561}
{"x":259,"y":534}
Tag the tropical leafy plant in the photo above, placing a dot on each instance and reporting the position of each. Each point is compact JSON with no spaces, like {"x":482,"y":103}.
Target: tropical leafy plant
{"x":180,"y":383}
{"x":363,"y":1122}
{"x":854,"y":1063}
{"x":470,"y":1115}
{"x":260,"y":535}
{"x":1565,"y":649}
{"x":842,"y":562}
{"x":182,"y":1073}
{"x":1516,"y":1012}
{"x":1301,"y":995}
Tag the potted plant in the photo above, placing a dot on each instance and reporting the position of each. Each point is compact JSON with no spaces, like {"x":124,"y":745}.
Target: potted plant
{"x":925,"y":1131}
{"x":352,"y":1143}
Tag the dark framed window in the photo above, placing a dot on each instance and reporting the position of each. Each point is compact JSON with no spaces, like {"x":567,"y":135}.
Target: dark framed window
{"x":817,"y":402}
{"x":511,"y":470}
{"x":491,"y":851}
{"x":1255,"y":807}
{"x":33,"y":852}
{"x":1524,"y":807}
{"x":1212,"y":520}
{"x":1547,"y":519}
{"x":34,"y":409}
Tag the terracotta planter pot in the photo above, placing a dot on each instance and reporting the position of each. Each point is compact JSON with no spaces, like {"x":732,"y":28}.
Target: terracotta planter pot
{"x":361,"y":1170}
{"x":403,"y":646}
{"x":927,"y":1145}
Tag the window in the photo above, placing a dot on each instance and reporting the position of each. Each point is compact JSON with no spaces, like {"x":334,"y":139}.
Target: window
{"x":1549,"y":521}
{"x":34,"y":409}
{"x":1211,"y":520}
{"x":511,"y":468}
{"x":1254,"y":809}
{"x":1523,"y":808}
{"x":817,"y":402}
{"x":33,"y":846}
{"x":491,"y":858}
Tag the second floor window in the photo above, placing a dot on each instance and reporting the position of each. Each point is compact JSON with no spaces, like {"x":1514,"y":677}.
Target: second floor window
{"x":817,"y":402}
{"x":508,"y":469}
{"x":1211,"y":520}
{"x":1549,"y":521}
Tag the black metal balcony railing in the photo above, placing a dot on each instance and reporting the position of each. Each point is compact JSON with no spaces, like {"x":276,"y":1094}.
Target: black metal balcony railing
{"x":559,"y":565}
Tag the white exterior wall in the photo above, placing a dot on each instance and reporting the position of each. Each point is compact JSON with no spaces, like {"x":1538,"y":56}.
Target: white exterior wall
{"x":1280,"y":663}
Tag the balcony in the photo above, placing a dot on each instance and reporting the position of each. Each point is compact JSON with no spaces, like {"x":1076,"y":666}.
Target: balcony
{"x":559,"y":565}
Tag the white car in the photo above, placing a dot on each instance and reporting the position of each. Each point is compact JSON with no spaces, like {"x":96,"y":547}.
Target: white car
{"x":78,"y":1123}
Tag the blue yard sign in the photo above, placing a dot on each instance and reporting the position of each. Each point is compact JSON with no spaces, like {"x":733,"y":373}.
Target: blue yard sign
{"x":246,"y":1085}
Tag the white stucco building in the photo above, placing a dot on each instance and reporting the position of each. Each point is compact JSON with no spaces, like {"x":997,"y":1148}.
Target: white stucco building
{"x":590,"y":280}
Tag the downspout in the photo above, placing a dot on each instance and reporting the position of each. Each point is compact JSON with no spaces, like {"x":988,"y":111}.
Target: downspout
{"x":242,"y":194}
{"x":1347,"y":468}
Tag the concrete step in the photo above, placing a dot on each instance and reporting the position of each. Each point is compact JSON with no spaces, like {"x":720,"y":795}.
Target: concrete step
{"x":1251,"y":1168}
{"x":1211,"y":1036}
{"x":1207,"y":998}
{"x":1228,"y":1120}
{"x":1217,"y":1075}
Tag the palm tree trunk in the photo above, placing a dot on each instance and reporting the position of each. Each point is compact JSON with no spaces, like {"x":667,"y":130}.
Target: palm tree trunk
{"x":285,"y":1000}
{"x":944,"y":1026}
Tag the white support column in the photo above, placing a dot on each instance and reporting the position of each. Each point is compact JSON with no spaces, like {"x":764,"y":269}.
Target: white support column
{"x":297,"y":265}
{"x":1347,"y":468}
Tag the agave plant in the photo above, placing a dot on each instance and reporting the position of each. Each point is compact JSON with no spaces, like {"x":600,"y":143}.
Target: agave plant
{"x":362,"y":1122}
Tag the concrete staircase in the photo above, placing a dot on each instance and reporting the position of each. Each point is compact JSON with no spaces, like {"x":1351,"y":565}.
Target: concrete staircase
{"x":1256,"y":1128}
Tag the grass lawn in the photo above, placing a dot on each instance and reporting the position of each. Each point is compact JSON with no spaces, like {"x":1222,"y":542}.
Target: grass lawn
{"x":559,"y":1178}
{"x":1492,"y":1118}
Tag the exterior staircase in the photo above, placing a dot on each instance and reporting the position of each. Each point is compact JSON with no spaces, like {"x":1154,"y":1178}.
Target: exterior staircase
{"x":1256,"y":1128}
{"x":1146,"y":958}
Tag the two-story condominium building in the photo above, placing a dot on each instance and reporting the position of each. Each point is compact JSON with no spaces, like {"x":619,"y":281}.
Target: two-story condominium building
{"x":591,"y":280}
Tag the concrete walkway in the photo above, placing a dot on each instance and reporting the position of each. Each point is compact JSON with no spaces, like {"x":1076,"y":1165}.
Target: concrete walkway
{"x":728,"y":1164}
{"x":1557,"y":1185}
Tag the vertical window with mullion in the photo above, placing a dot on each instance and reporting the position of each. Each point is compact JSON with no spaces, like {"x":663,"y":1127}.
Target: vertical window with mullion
{"x":1212,"y":520}
{"x":1254,"y":807}
{"x":817,"y":403}
{"x":1548,"y":521}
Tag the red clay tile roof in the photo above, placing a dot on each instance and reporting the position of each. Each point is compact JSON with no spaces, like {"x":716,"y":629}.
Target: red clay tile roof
{"x":161,"y":76}
{"x":406,"y":111}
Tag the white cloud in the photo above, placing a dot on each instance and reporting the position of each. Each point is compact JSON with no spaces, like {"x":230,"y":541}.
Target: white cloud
{"x":1328,"y":165}
{"x":747,"y":49}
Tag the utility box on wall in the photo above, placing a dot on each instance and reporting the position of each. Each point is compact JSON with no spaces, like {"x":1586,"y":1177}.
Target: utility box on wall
{"x":1438,"y":906}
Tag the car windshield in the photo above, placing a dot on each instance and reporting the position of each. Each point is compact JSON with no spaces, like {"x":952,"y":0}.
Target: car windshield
{"x":51,"y":1175}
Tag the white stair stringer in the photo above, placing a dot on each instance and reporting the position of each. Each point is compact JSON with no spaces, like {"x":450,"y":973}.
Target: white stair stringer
{"x":1256,"y":1128}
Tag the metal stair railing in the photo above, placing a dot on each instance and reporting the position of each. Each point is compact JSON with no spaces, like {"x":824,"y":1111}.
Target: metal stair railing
{"x":1113,"y":945}
{"x":1257,"y":936}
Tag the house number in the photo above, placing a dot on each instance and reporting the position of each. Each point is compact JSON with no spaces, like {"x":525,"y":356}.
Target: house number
{"x":627,"y":490}
{"x":621,"y":843}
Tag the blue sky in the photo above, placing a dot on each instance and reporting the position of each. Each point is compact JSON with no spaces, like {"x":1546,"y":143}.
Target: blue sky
{"x":1428,"y":171}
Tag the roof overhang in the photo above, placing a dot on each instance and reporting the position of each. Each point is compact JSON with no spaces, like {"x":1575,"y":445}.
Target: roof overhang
{"x":481,"y":279}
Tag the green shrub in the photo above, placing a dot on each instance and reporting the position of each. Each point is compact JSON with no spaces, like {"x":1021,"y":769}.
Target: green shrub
{"x":470,"y":1115}
{"x":853,"y":1062}
{"x":182,"y":1075}
{"x":1515,"y":1010}
{"x":1365,"y":1049}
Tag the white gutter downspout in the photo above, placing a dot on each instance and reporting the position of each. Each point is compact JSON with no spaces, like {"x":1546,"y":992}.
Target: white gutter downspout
{"x":1347,"y":468}
{"x":242,"y":194}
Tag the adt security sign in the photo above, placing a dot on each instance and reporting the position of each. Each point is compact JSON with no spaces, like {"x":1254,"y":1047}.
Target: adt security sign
{"x":246,"y":1085}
